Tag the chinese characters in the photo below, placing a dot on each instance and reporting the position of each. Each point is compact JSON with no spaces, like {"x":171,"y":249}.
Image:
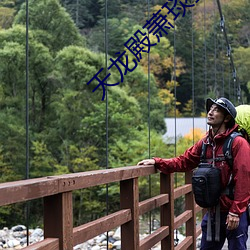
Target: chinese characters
{"x":140,"y":43}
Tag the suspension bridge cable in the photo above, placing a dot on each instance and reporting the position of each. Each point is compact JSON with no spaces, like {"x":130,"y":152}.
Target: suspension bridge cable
{"x":193,"y":108}
{"x":229,"y":52}
{"x":229,"y":83}
{"x":215,"y":52}
{"x":149,"y":124}
{"x":149,"y":94}
{"x":222,"y":68}
{"x":175,"y":87}
{"x":106,"y":110}
{"x":205,"y":50}
{"x":175,"y":112}
{"x":27,"y":207}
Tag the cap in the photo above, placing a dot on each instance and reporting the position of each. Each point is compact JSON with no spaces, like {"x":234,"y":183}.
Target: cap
{"x":223,"y":103}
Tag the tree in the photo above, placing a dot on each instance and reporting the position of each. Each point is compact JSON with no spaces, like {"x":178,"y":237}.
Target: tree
{"x":40,"y":67}
{"x":6,"y":17}
{"x":13,"y":148}
{"x":242,"y":65}
{"x":53,"y":25}
{"x":12,"y":125}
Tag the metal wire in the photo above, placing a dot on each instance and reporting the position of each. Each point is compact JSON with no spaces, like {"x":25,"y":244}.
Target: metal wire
{"x":215,"y":51}
{"x":205,"y":50}
{"x":229,"y":54}
{"x":193,"y":93}
{"x":27,"y":207}
{"x":107,"y":111}
{"x":149,"y":125}
{"x":175,"y":120}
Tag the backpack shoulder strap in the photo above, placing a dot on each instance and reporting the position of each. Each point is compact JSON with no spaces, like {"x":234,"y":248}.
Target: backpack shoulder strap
{"x":203,"y":152}
{"x":227,"y":148}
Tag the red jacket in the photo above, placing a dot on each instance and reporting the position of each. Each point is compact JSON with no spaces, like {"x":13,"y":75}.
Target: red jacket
{"x":241,"y":167}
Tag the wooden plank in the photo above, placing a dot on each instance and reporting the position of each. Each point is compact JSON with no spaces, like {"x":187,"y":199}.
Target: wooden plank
{"x":190,"y":205}
{"x":129,"y":196}
{"x":154,"y":238}
{"x":24,"y":190}
{"x":58,"y":214}
{"x":46,"y":244}
{"x":58,"y":219}
{"x":182,"y":218}
{"x":185,"y":244}
{"x":167,"y":210}
{"x":152,"y":203}
{"x":178,"y":192}
{"x":90,"y":230}
{"x":99,"y":177}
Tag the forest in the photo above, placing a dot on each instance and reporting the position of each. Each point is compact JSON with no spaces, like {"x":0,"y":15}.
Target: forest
{"x":72,"y":129}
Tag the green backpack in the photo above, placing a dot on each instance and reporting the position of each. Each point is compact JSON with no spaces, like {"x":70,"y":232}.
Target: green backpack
{"x":243,"y":120}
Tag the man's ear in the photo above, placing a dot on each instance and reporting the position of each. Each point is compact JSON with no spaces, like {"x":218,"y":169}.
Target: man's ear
{"x":228,"y":118}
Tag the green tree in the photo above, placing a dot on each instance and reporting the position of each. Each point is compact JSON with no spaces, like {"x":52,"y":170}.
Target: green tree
{"x":84,"y":13}
{"x":12,"y":125}
{"x":42,"y":163}
{"x":242,"y":63}
{"x":53,"y":25}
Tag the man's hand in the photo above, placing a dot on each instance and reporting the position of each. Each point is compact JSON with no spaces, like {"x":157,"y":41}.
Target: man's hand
{"x":232,"y":221}
{"x":146,"y":162}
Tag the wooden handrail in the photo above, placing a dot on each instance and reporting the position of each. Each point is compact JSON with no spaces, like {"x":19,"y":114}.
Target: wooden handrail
{"x":24,"y":190}
{"x":56,"y":191}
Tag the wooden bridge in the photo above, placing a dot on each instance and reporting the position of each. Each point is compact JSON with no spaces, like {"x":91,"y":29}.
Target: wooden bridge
{"x":56,"y":192}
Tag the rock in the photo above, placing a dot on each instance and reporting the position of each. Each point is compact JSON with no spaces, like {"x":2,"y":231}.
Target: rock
{"x":18,"y":247}
{"x":117,"y":234}
{"x":18,"y":228}
{"x":117,"y":245}
{"x":103,"y":243}
{"x":13,"y":243}
{"x":91,"y":242}
{"x":3,"y":233}
{"x":81,"y":246}
{"x":111,"y":233}
{"x":18,"y":234}
{"x":111,"y":240}
{"x":100,"y":238}
{"x":16,"y":238}
{"x":23,"y":240}
{"x":38,"y":232}
{"x":95,"y":248}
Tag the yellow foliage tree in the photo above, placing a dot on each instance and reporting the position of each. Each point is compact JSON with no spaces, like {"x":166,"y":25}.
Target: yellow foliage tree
{"x":6,"y":17}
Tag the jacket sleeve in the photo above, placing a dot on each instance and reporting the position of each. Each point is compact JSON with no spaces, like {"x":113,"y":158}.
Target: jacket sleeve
{"x":183,"y":163}
{"x":241,"y":175}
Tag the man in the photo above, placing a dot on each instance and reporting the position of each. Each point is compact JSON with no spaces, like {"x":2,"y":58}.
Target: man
{"x":221,"y":115}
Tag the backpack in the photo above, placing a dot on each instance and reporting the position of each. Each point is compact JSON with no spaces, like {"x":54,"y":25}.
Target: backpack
{"x":206,"y":179}
{"x":243,"y":120}
{"x":206,"y":185}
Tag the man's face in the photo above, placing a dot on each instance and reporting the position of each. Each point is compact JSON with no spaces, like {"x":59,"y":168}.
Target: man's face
{"x":215,"y":116}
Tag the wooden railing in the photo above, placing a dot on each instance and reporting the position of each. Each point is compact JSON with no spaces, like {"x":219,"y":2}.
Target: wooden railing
{"x":59,"y":232}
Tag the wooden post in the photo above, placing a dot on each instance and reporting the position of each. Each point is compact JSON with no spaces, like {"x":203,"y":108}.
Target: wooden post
{"x":167,"y":210}
{"x":58,"y":219}
{"x":129,"y":197}
{"x":190,"y":205}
